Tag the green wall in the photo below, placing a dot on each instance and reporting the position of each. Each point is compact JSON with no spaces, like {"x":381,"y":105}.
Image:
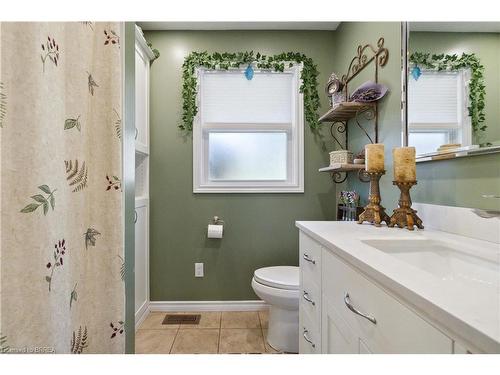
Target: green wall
{"x":486,"y":46}
{"x":458,"y":182}
{"x":259,"y":228}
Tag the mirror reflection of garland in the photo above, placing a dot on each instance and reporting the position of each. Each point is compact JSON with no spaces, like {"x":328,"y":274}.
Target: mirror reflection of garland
{"x":156,"y":53}
{"x":477,"y":88}
{"x":225,"y":61}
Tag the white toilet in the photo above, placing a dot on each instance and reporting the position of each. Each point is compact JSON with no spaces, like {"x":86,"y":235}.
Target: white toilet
{"x":279,"y":288}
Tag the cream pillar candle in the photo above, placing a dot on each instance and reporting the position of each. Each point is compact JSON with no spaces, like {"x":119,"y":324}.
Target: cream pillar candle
{"x":374,"y":155}
{"x":405,"y":168}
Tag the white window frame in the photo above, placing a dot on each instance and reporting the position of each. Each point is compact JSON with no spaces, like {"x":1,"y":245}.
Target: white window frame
{"x":464,"y":128}
{"x":295,"y":147}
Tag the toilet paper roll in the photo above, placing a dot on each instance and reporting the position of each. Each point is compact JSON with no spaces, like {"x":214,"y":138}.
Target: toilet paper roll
{"x":215,"y":231}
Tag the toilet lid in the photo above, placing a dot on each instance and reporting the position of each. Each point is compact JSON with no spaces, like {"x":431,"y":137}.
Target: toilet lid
{"x":281,"y":277}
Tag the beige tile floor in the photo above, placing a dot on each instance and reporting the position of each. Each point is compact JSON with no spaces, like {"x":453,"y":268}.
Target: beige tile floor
{"x":217,"y":332}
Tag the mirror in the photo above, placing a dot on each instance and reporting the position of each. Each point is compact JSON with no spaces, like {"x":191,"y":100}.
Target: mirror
{"x":453,"y":88}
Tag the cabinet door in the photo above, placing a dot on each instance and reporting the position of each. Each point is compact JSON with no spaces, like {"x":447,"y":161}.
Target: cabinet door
{"x":336,"y":335}
{"x":396,"y":329}
{"x":141,"y":257}
{"x":141,"y":100}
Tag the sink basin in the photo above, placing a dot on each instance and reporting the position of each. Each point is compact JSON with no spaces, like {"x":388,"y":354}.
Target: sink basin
{"x":444,"y":261}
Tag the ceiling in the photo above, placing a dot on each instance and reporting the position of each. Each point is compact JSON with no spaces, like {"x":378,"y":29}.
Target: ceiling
{"x":480,"y":27}
{"x":239,"y":25}
{"x":329,"y":26}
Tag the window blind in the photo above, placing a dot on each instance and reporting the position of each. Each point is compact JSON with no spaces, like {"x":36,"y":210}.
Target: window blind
{"x":230,"y":98}
{"x":435,"y":100}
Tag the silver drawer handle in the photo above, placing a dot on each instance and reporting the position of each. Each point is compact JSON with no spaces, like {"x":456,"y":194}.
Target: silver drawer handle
{"x":307,"y":338}
{"x":308,"y":299}
{"x":347,"y":302}
{"x":135,"y":216}
{"x":308,"y":259}
{"x":136,"y":133}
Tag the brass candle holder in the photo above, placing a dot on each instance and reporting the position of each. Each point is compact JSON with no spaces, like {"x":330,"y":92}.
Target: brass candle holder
{"x":374,"y":213}
{"x":405,"y":216}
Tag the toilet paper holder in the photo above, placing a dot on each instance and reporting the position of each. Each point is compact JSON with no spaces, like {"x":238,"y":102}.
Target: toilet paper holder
{"x":215,"y":228}
{"x":216,"y":221}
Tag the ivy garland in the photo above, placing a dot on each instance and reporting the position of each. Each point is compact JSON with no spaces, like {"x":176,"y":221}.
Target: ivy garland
{"x":225,"y":61}
{"x":155,"y":51}
{"x":477,"y":89}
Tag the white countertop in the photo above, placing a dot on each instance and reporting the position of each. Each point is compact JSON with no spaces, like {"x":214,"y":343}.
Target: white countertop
{"x":470,"y":313}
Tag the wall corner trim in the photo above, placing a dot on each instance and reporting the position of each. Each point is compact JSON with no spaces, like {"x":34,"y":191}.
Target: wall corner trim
{"x":141,"y":314}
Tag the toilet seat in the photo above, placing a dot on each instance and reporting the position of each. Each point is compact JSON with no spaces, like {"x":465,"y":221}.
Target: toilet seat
{"x":280,"y":277}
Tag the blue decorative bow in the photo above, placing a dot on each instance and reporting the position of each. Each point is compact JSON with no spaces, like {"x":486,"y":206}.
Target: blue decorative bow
{"x":416,"y":72}
{"x":249,"y":72}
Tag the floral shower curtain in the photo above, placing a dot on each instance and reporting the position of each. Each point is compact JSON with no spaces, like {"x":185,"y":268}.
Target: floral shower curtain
{"x":61,"y":244}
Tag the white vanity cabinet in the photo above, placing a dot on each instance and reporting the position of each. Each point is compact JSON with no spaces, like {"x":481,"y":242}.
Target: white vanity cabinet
{"x":143,"y":55}
{"x":352,"y":314}
{"x":310,"y":296}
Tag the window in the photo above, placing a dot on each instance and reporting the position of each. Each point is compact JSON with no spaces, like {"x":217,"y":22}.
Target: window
{"x":248,"y":134}
{"x":438,"y":112}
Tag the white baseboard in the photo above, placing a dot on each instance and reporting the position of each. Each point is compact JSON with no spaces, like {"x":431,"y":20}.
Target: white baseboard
{"x":141,"y":314}
{"x":207,"y":305}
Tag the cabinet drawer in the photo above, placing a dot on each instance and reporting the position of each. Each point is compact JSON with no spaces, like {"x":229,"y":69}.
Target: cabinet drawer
{"x":396,"y":329}
{"x":310,"y":258}
{"x":310,"y":299}
{"x":309,"y":336}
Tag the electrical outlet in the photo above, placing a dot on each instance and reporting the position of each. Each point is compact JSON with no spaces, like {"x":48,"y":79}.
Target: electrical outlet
{"x":198,"y":270}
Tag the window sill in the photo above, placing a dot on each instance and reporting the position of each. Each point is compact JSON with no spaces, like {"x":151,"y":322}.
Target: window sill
{"x":248,"y":190}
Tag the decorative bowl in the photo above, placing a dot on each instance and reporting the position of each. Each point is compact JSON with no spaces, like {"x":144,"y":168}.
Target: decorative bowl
{"x":369,"y":92}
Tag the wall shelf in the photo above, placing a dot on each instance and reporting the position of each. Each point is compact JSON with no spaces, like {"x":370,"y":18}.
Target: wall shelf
{"x":341,"y":113}
{"x":339,"y":170}
{"x":338,"y":167}
{"x":345,"y":111}
{"x":141,"y":150}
